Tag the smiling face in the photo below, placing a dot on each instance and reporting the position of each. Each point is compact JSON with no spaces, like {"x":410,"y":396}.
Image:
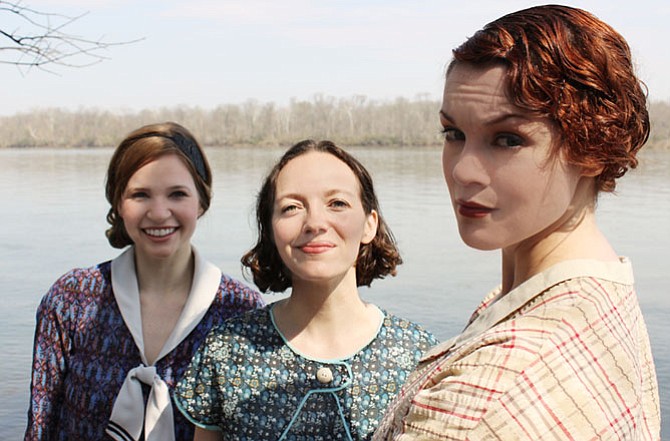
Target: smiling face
{"x":506,"y":187}
{"x":160,"y":208}
{"x":318,"y":221}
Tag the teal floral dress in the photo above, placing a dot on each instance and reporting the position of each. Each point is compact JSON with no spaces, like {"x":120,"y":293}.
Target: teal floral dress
{"x":248,"y":382}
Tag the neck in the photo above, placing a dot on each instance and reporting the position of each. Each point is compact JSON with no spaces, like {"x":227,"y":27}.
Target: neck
{"x":575,"y":236}
{"x":167,"y":276}
{"x":317,"y":318}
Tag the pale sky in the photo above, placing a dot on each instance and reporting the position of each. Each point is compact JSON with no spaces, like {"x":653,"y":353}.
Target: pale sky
{"x":210,"y":52}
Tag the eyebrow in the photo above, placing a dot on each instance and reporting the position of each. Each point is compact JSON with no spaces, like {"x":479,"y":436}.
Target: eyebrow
{"x":328,"y":193}
{"x":145,"y":188}
{"x":498,"y":119}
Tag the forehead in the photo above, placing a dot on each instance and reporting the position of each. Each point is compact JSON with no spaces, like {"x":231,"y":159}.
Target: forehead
{"x":316,"y":169}
{"x":485,"y":85}
{"x":168,"y":166}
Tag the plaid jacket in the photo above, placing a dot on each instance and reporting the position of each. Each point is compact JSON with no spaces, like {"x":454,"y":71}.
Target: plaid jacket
{"x":563,"y":356}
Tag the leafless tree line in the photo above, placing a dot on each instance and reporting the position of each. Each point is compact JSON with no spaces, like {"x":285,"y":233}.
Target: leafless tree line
{"x":350,"y":121}
{"x":353,"y":121}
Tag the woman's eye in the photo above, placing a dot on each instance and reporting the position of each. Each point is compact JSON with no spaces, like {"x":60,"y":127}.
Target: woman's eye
{"x":139,"y":195}
{"x":179,"y":194}
{"x":508,"y":141}
{"x":338,"y":203}
{"x":288,"y":209}
{"x":451,"y":134}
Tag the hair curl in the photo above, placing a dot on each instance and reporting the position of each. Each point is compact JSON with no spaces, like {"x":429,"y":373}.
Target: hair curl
{"x":567,"y":65}
{"x":141,"y":147}
{"x":376,"y":259}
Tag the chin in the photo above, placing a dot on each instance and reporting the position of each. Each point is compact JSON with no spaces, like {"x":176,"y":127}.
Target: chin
{"x":480,"y":243}
{"x":160,"y":253}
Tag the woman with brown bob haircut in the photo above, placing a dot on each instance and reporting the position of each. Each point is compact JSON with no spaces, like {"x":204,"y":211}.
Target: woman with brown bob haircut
{"x":120,"y":334}
{"x":321,"y":364}
{"x":376,"y":259}
{"x":542,"y":110}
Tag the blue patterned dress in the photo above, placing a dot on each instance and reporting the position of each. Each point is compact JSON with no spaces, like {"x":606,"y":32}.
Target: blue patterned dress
{"x":83,"y":351}
{"x":248,"y":382}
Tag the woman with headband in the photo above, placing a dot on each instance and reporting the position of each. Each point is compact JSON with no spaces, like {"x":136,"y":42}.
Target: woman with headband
{"x":120,"y":334}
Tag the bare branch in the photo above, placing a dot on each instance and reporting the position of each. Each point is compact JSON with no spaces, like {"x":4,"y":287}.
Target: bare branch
{"x":39,"y":40}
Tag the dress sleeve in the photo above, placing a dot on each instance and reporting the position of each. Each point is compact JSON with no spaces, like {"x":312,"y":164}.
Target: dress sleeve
{"x":427,"y":341}
{"x":52,"y":344}
{"x":197,"y":395}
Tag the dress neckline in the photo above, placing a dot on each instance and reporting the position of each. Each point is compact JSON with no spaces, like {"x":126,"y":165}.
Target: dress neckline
{"x":382,"y":317}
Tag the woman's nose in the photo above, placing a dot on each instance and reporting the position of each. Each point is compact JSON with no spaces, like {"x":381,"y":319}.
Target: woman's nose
{"x":315,"y":220}
{"x":466,"y":166}
{"x":159,"y":210}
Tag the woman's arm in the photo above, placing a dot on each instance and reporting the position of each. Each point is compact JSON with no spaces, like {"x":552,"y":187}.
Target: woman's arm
{"x":51,"y":346}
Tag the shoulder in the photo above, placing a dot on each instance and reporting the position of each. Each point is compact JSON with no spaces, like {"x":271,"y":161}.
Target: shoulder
{"x":580,"y":345}
{"x":578,"y":312}
{"x":235,"y":339}
{"x":555,"y":350}
{"x":232,"y":291}
{"x":401,"y":340}
{"x":85,"y":278}
{"x":581,"y":303}
{"x":403,"y":329}
{"x":78,"y":285}
{"x":588,"y":320}
{"x":580,"y":285}
{"x":254,"y":324}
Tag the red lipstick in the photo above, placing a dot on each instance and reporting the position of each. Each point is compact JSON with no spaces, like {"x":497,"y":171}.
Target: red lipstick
{"x":472,"y":210}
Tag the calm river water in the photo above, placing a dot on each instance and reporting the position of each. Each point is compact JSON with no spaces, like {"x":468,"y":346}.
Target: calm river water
{"x":53,"y":219}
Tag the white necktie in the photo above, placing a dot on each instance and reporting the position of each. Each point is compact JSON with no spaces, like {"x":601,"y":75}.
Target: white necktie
{"x":127,"y":418}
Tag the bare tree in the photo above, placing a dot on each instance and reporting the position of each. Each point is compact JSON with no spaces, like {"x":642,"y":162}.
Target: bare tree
{"x":35,"y":39}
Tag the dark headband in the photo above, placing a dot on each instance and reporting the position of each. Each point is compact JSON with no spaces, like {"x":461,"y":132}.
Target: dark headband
{"x":187,"y":147}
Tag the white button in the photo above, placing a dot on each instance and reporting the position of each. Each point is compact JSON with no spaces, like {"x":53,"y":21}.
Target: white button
{"x":324,"y":375}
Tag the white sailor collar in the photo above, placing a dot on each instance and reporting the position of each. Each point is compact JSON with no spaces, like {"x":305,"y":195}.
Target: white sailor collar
{"x":130,"y":417}
{"x":206,"y":280}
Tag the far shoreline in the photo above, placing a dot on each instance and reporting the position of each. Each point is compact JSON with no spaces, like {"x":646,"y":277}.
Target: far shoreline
{"x":353,"y":121}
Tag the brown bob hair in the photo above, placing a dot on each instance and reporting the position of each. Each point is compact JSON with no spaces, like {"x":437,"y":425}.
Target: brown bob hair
{"x":376,"y":259}
{"x":567,"y":65}
{"x":141,"y":147}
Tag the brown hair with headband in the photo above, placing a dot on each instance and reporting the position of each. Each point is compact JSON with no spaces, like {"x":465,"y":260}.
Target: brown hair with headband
{"x":141,"y":147}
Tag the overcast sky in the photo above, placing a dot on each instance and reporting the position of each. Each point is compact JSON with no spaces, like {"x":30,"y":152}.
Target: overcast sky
{"x":210,"y":52}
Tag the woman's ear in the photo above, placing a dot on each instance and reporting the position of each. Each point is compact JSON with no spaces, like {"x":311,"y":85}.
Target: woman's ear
{"x":371,"y":224}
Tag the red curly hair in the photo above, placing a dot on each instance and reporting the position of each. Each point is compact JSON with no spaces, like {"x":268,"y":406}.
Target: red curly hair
{"x":567,"y":65}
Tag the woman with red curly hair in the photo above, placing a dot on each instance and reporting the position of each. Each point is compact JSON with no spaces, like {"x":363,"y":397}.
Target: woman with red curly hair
{"x":542,"y":111}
